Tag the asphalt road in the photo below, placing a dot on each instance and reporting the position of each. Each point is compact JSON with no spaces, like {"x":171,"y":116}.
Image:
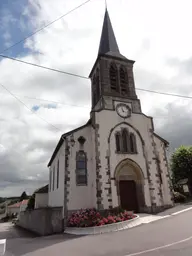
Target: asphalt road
{"x":171,"y":236}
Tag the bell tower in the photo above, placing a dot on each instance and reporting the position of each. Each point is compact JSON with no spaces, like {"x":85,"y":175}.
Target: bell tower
{"x":112,"y":76}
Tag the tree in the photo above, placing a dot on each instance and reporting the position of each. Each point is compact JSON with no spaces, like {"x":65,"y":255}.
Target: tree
{"x":23,"y":196}
{"x":31,"y":202}
{"x":181,"y":164}
{"x":2,"y":200}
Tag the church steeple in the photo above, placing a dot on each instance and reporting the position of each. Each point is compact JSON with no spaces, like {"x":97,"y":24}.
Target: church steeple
{"x":108,"y":43}
{"x":112,"y":74}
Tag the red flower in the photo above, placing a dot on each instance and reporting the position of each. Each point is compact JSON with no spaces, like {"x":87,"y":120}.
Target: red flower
{"x":91,"y":218}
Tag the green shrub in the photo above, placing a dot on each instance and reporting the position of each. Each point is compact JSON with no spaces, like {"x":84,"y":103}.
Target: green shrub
{"x":178,"y":197}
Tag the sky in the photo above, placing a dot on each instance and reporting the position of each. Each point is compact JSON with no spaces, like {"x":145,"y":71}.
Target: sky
{"x":156,"y":34}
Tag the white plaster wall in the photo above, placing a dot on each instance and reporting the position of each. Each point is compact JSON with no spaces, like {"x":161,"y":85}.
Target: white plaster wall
{"x":107,"y":120}
{"x":41,"y":200}
{"x":12,"y":210}
{"x":56,"y":197}
{"x":23,"y":207}
{"x":83,"y":196}
{"x":165,"y":186}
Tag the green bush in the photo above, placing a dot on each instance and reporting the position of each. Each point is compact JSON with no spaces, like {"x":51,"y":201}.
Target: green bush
{"x":179,"y":198}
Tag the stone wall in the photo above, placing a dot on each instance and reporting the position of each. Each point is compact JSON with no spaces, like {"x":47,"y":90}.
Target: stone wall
{"x":46,"y":221}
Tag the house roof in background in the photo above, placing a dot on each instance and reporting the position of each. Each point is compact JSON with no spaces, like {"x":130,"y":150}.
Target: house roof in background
{"x":17,"y":205}
{"x":42,"y":190}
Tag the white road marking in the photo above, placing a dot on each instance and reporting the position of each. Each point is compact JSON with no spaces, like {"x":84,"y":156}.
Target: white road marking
{"x":160,"y":247}
{"x":185,"y":210}
{"x":152,"y":218}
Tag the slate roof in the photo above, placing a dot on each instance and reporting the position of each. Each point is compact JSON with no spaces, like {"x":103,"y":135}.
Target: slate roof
{"x":60,"y":143}
{"x":42,"y":190}
{"x":108,"y":43}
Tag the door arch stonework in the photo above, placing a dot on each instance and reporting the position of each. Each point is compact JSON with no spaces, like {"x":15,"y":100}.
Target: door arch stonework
{"x":130,"y":185}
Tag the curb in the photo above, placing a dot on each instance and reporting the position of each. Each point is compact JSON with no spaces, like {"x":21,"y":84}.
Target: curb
{"x":105,"y":229}
{"x":185,"y":210}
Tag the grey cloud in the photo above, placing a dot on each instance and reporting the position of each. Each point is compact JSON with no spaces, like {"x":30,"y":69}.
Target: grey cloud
{"x":176,"y":124}
{"x":6,"y":189}
{"x":182,"y":65}
{"x":179,"y":83}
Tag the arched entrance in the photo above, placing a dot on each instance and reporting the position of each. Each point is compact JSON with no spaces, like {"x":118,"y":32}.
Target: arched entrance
{"x":128,"y":195}
{"x":129,"y":181}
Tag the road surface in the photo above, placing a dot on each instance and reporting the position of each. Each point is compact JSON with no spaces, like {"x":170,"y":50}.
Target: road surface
{"x":171,"y":236}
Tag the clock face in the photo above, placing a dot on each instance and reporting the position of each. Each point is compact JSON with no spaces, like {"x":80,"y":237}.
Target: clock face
{"x":123,"y":110}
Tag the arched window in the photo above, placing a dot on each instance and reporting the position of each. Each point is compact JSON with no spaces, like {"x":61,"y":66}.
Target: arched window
{"x":123,"y":81}
{"x":117,"y":140}
{"x":114,"y":78}
{"x":133,"y":145}
{"x":125,"y":140}
{"x":58,"y":174}
{"x":98,"y":88}
{"x":53,"y":178}
{"x":94,"y":96}
{"x":81,"y":168}
{"x":50,"y":179}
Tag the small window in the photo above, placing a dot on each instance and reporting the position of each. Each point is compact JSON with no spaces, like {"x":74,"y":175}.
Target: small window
{"x":117,"y":139}
{"x":81,"y":168}
{"x":58,"y":174}
{"x":133,"y":146}
{"x":53,"y":178}
{"x":125,"y":140}
{"x":50,"y":179}
{"x":123,"y":81}
{"x":114,"y":78}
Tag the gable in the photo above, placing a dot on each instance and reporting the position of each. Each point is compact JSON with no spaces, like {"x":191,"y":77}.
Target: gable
{"x":163,"y":140}
{"x":62,"y":139}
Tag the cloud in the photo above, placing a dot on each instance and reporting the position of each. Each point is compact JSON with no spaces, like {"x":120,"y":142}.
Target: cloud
{"x":176,"y":123}
{"x":29,"y":134}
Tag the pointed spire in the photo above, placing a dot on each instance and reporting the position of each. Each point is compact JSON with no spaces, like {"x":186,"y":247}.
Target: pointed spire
{"x":108,"y":41}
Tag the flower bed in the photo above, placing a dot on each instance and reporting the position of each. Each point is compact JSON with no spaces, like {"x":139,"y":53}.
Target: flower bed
{"x":93,"y":218}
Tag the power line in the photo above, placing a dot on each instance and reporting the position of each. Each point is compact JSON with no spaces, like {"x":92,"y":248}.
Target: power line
{"x":81,"y":106}
{"x":56,"y":102}
{"x":51,"y":101}
{"x":47,"y":25}
{"x":28,"y":107}
{"x":33,"y":112}
{"x":43,"y":67}
{"x":84,"y":77}
{"x":165,"y":93}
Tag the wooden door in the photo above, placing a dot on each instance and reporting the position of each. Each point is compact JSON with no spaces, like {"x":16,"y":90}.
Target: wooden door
{"x":128,"y":195}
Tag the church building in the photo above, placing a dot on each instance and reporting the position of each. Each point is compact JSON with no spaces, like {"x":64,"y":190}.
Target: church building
{"x":116,"y":158}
